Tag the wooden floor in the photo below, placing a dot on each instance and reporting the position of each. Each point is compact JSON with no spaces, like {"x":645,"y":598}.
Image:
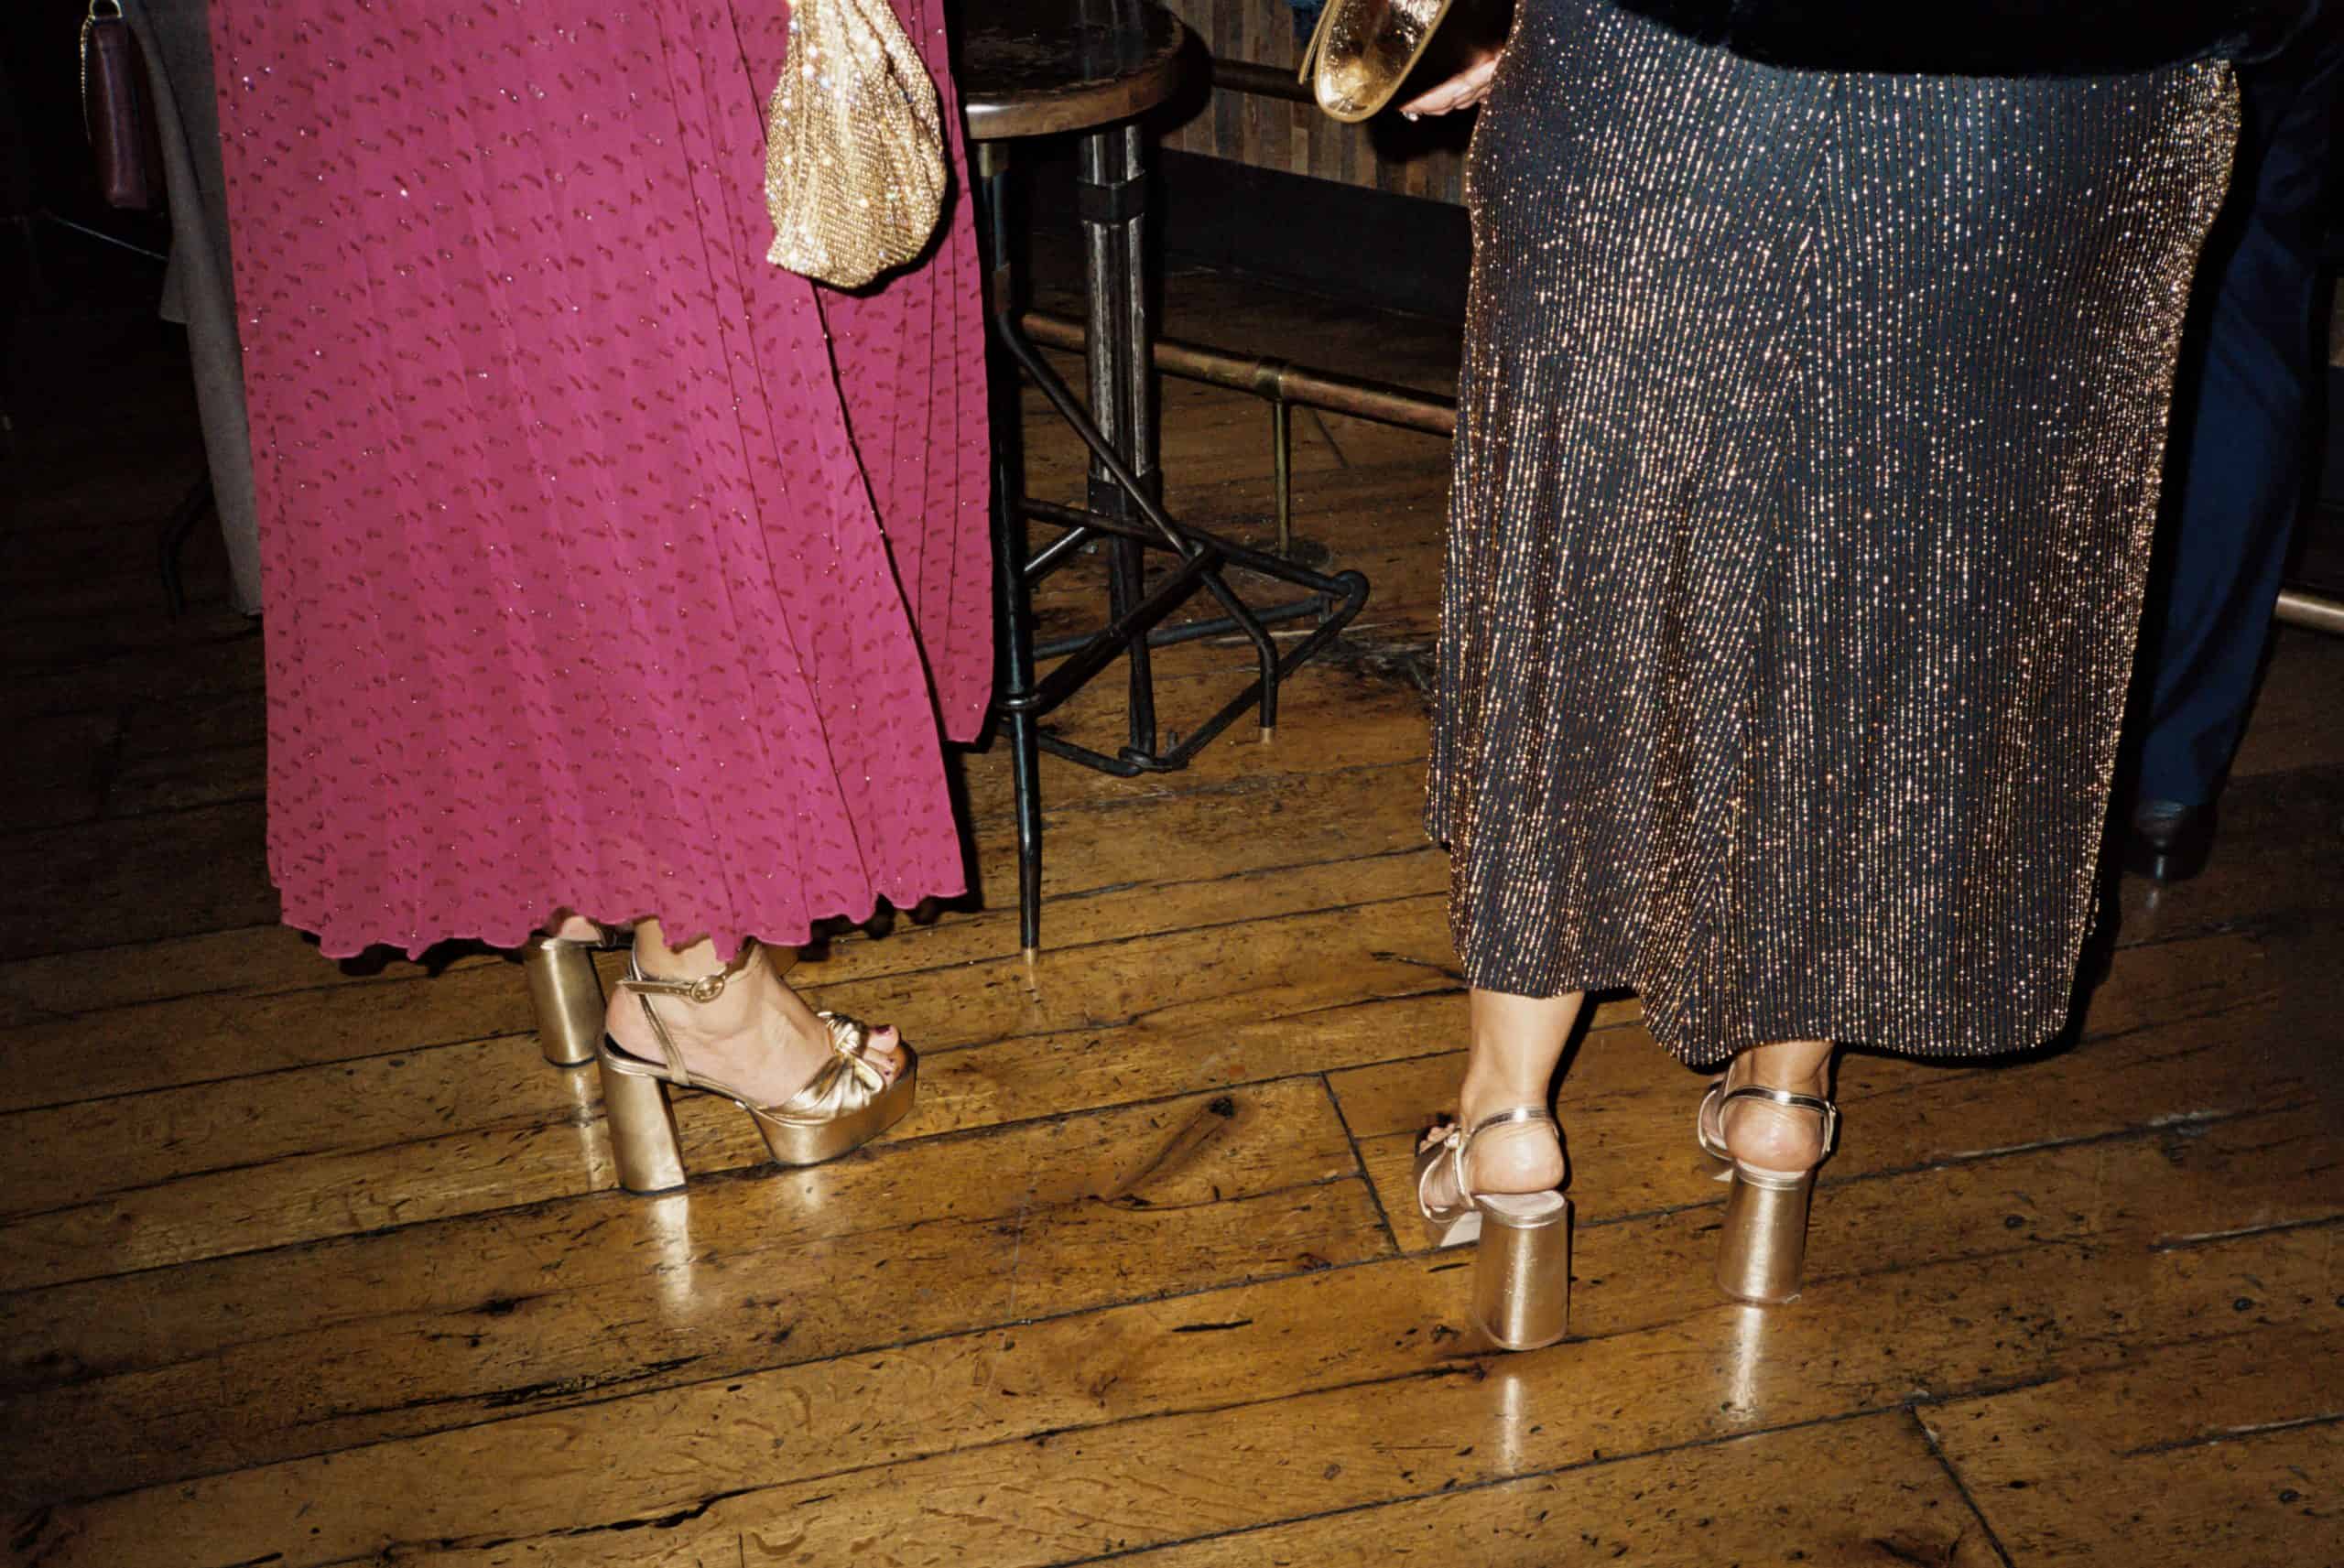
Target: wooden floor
{"x":313,"y":1264}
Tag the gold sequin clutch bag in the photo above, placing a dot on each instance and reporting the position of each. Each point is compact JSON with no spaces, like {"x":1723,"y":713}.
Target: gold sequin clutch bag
{"x":854,"y":148}
{"x":1362,"y":50}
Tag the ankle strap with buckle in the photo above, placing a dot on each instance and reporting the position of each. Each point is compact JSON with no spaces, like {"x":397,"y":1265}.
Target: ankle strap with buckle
{"x":701,"y":989}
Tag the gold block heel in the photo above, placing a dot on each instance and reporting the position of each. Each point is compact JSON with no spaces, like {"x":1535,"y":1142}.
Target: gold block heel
{"x":1763,"y":1249}
{"x":568,"y":999}
{"x":1521,"y":1258}
{"x":643,"y":1144}
{"x":1522,"y":1269}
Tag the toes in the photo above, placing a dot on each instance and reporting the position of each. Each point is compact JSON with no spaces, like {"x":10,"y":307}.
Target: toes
{"x":883,"y":1048}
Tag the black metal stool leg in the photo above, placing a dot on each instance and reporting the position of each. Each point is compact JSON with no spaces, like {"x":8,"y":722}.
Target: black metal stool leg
{"x":1017,"y":699}
{"x":1024,"y":736}
{"x":1110,"y":202}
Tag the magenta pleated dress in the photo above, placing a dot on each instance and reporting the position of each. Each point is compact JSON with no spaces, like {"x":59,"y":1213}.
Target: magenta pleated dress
{"x":608,"y":567}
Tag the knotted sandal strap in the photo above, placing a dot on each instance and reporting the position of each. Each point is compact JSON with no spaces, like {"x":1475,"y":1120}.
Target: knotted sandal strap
{"x":849,"y":1037}
{"x":701,"y":989}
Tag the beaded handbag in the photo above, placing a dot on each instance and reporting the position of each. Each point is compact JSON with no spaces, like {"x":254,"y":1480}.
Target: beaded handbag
{"x":854,"y":148}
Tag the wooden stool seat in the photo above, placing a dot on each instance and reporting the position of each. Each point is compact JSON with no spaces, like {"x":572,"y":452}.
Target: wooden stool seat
{"x":1037,"y":68}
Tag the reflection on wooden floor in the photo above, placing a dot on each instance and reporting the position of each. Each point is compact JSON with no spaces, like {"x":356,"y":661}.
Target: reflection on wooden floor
{"x":307,"y":1264}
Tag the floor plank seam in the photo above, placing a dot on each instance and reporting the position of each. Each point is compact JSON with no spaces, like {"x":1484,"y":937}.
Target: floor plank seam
{"x":1378,"y":999}
{"x":1454,"y":1367}
{"x":469,"y":962}
{"x":1359,"y":1163}
{"x":2235,"y":1435}
{"x":1960,"y":1486}
{"x":2214,"y":1237}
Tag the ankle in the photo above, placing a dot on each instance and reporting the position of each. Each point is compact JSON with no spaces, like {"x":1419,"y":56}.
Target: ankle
{"x":657,"y":961}
{"x":1485,"y":1094}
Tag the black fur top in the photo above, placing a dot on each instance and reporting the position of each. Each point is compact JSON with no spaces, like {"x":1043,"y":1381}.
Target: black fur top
{"x":1986,"y":37}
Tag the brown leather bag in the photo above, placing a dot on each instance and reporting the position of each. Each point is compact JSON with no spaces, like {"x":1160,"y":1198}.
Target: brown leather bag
{"x":116,"y":109}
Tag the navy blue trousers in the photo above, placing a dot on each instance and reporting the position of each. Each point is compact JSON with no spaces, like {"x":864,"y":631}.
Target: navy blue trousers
{"x":2241,"y":431}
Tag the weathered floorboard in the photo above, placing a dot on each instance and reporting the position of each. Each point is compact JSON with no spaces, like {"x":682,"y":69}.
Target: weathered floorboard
{"x":316,"y":1264}
{"x":1646,"y":1278}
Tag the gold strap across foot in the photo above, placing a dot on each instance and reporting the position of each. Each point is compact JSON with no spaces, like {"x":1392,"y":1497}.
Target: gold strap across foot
{"x":849,"y":1037}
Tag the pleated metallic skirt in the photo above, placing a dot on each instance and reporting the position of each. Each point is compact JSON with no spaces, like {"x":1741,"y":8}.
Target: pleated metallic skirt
{"x":1809,"y":440}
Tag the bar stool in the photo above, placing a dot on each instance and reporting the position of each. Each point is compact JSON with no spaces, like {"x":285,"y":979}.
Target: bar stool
{"x":1035,"y":68}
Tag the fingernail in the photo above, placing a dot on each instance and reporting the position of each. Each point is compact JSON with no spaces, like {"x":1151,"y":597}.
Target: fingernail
{"x":1407,"y":113}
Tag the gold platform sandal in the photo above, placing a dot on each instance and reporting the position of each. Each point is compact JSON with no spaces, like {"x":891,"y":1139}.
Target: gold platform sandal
{"x":1522,"y":1264}
{"x":850,"y":1102}
{"x":568,"y":994}
{"x":1763,"y":1250}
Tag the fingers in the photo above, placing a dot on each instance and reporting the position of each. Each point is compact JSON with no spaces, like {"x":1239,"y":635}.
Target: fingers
{"x":1467,"y":88}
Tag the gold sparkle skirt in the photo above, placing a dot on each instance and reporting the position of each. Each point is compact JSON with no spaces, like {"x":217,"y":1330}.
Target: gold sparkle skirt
{"x":1807,"y":458}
